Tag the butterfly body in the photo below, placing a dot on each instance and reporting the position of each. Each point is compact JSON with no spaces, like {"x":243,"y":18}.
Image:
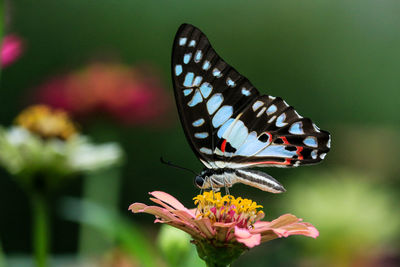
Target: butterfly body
{"x":230,"y":126}
{"x":227,"y":177}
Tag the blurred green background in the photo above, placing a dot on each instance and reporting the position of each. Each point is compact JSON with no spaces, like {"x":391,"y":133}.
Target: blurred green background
{"x":336,"y":62}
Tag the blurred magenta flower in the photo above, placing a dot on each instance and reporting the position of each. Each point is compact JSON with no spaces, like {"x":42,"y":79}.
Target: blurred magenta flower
{"x":11,"y":49}
{"x":132,"y":95}
{"x":223,"y":227}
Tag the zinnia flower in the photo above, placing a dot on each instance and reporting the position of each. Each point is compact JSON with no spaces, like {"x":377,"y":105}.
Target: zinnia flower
{"x":46,"y":143}
{"x":11,"y":50}
{"x":130,"y":95}
{"x":223,"y":227}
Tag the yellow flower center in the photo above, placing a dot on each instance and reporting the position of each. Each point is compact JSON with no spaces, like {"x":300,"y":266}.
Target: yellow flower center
{"x":244,"y":212}
{"x":46,"y":122}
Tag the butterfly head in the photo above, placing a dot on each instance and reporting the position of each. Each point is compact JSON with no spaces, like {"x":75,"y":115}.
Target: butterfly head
{"x":200,"y":182}
{"x":214,"y":179}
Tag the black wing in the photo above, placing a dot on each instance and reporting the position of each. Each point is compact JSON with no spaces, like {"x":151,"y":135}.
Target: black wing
{"x":227,"y":122}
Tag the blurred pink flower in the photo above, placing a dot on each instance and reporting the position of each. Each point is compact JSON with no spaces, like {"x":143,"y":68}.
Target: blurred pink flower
{"x":226,"y":221}
{"x":11,"y":49}
{"x":131,"y":95}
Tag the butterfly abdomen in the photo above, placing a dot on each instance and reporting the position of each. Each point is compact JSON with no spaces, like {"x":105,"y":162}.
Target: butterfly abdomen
{"x":226,"y":177}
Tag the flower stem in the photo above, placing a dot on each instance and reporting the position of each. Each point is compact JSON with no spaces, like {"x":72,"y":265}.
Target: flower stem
{"x":40,"y":229}
{"x":218,"y":255}
{"x":214,"y":264}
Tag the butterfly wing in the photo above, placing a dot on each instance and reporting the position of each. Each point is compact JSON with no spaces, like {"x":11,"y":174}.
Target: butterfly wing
{"x":227,"y":122}
{"x":269,"y":132}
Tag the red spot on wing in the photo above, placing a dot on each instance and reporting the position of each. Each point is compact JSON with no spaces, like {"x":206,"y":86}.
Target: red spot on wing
{"x":286,"y":162}
{"x":285,"y":141}
{"x":269,"y":136}
{"x":223,"y":145}
{"x":298,"y":152}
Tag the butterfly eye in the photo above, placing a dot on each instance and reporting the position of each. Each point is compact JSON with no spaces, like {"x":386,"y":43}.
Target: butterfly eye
{"x":199,"y":181}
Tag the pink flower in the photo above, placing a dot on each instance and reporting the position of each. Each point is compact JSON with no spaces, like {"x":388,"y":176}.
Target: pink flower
{"x":11,"y":50}
{"x":223,"y":222}
{"x":130,"y":95}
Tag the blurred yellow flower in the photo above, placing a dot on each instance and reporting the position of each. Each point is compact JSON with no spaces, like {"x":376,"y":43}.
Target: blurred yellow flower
{"x":46,"y":143}
{"x":46,"y":122}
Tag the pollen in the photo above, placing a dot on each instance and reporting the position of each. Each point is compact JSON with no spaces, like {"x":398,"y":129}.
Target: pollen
{"x":46,"y":122}
{"x":227,"y":208}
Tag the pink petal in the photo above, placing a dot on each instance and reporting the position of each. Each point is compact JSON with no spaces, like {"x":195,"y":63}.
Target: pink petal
{"x":193,"y":231}
{"x":284,"y":220}
{"x":137,"y":207}
{"x":313,"y":232}
{"x":242,"y":233}
{"x":280,"y":232}
{"x":168,"y":218}
{"x":284,"y":226}
{"x":169,"y":208}
{"x":154,"y":210}
{"x":223,"y":230}
{"x":167,"y":198}
{"x":305,"y":229}
{"x":225,"y":225}
{"x":193,"y":211}
{"x":262,"y":225}
{"x":245,"y":237}
{"x":268,"y":236}
{"x":204,"y":225}
{"x":184,"y":216}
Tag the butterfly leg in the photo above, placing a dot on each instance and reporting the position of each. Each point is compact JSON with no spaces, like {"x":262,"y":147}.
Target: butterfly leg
{"x":226,"y":187}
{"x":197,"y":208}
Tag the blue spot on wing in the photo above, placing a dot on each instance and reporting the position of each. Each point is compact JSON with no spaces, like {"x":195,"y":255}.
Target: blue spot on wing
{"x":187,"y":92}
{"x":214,"y":102}
{"x":198,"y":56}
{"x":206,"y":89}
{"x":182,"y":41}
{"x":280,"y":120}
{"x":296,"y":128}
{"x":178,"y":70}
{"x":271,"y":109}
{"x":201,"y":135}
{"x":187,"y":57}
{"x":206,"y":65}
{"x":245,"y":92}
{"x":198,"y":122}
{"x":224,"y":127}
{"x":311,"y":141}
{"x":197,"y":98}
{"x":222,"y":115}
{"x":188,"y":79}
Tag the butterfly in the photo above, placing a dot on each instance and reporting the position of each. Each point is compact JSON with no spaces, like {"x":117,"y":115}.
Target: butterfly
{"x":230,"y":126}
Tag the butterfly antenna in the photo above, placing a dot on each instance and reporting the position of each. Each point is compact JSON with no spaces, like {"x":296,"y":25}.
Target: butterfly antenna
{"x":176,"y":166}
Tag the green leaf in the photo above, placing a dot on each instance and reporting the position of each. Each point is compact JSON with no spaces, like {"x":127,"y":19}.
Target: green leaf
{"x":127,"y":235}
